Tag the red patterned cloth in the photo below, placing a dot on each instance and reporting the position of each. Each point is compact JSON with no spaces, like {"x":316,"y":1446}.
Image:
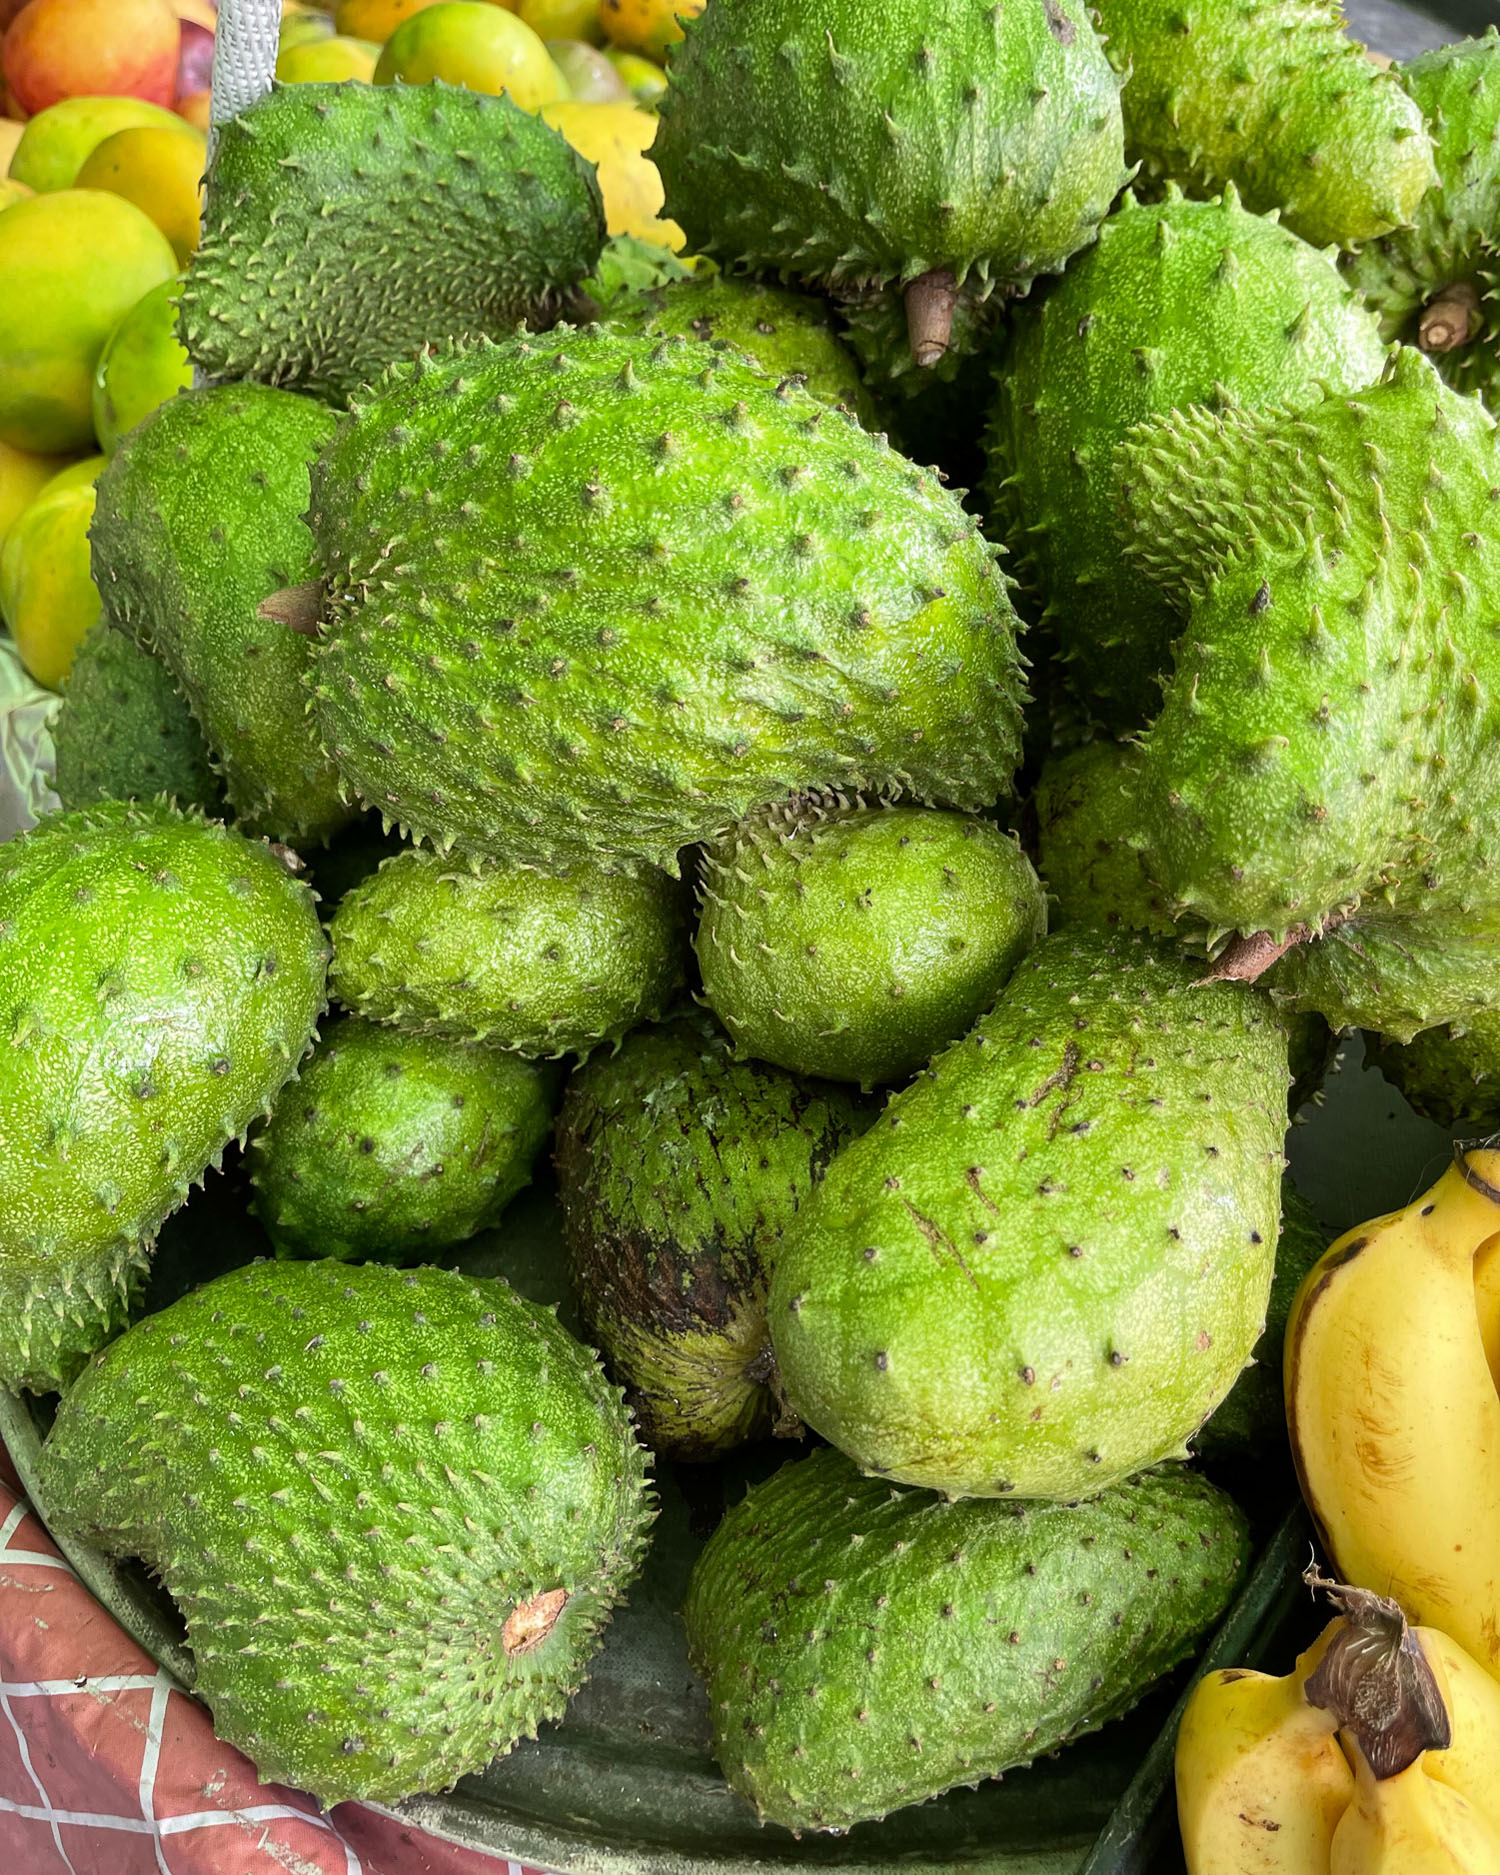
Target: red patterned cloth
{"x":107,"y":1769}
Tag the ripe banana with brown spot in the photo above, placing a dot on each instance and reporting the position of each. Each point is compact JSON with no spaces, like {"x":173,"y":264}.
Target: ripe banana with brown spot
{"x":1411,"y":1824}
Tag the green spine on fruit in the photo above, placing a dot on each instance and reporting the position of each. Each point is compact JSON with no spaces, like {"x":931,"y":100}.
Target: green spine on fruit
{"x":395,"y":1509}
{"x":391,"y":1147}
{"x":1450,"y":259}
{"x":161,"y":976}
{"x":1273,"y":96}
{"x":853,"y":942}
{"x":867,"y":1648}
{"x":198,"y":523}
{"x":978,"y":143}
{"x":543,"y":965}
{"x":124,"y":733}
{"x":1177,"y":303}
{"x":1047,"y":1262}
{"x":1450,"y":1075}
{"x":680,"y":1169}
{"x":640,"y":590}
{"x":348,"y":226}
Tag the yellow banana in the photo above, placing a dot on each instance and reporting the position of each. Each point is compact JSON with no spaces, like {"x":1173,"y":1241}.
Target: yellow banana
{"x":1471,"y":1764}
{"x":1411,"y":1824}
{"x":1261,"y":1781}
{"x":1393,"y":1414}
{"x":1487,"y":1299}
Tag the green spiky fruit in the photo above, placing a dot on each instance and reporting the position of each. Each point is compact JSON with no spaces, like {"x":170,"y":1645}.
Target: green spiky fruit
{"x":497,"y":954}
{"x":962,"y":144}
{"x":662,"y":592}
{"x":867,"y":1648}
{"x":680,"y":1169}
{"x":1047,"y":1262}
{"x":348,"y":226}
{"x":1177,"y":303}
{"x":1450,"y":1075}
{"x":160,"y":977}
{"x":198,"y":522}
{"x":390,"y":1147}
{"x":1272,"y":96}
{"x":124,"y":733}
{"x":854,"y":942}
{"x":395,"y":1509}
{"x":1437,"y":284}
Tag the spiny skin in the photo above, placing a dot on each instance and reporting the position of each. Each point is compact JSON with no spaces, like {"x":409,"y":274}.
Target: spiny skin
{"x":907,"y":136}
{"x":1177,"y":303}
{"x":680,"y":1169}
{"x":1456,"y":236}
{"x":1272,"y":96}
{"x":124,"y":733}
{"x":1330,"y":733}
{"x":350,"y":1478}
{"x":390,"y":1146}
{"x":161,"y":978}
{"x":1450,"y":1075}
{"x":348,"y":226}
{"x":598,"y":596}
{"x":867,"y":1647}
{"x":854,"y":942}
{"x":1047,"y":1262}
{"x":198,"y":520}
{"x":509,"y":956}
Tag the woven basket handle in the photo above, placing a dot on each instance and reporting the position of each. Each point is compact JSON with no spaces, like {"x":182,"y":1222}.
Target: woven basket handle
{"x":244,"y":58}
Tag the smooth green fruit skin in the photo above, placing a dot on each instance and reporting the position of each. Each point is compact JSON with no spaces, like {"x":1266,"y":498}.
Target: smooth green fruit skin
{"x":1177,"y":303}
{"x":1276,"y":99}
{"x":680,"y":1170}
{"x":349,"y":1477}
{"x":511,"y":957}
{"x":1047,"y":1262}
{"x":141,"y":366}
{"x":1455,"y":238}
{"x":868,"y":1647}
{"x":855,"y":943}
{"x":907,"y":136}
{"x":199,"y":520}
{"x":390,"y":1147}
{"x":349,"y":226}
{"x":124,"y":733}
{"x":161,"y":978}
{"x":1450,"y":1075}
{"x":661,"y":592}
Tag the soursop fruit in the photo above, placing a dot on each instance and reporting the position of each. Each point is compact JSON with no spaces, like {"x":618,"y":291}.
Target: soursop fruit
{"x":161,"y":976}
{"x":519,"y":959}
{"x":679,"y":1170}
{"x":929,"y":146}
{"x":349,"y":226}
{"x":868,"y":1647}
{"x":596,"y":597}
{"x":199,"y":522}
{"x":1437,"y":283}
{"x":1048,"y":1261}
{"x":1177,"y":303}
{"x":1273,"y":96}
{"x":390,"y":1147}
{"x":123,"y":732}
{"x":1450,"y":1075}
{"x":395,"y":1509}
{"x":853,"y":942}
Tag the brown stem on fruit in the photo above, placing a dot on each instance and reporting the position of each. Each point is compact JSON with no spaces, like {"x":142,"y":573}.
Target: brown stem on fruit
{"x":1450,"y":320}
{"x":529,"y":1623}
{"x":930,"y":302}
{"x":300,"y":607}
{"x":291,"y":859}
{"x":1244,"y":959}
{"x":1377,"y":1682}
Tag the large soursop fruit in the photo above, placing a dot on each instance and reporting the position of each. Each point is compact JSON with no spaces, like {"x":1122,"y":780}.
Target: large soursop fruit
{"x":1273,"y":96}
{"x":1048,"y":1261}
{"x":854,"y":143}
{"x":594,"y":596}
{"x":867,"y":1648}
{"x":198,"y":522}
{"x":347,"y":226}
{"x":1450,"y":1074}
{"x":394,"y":1507}
{"x":161,"y":977}
{"x":1437,"y":283}
{"x":1177,"y":303}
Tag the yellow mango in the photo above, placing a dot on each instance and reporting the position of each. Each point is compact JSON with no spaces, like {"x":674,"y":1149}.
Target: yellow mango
{"x":23,"y":476}
{"x":57,"y":142}
{"x":47,"y":595}
{"x":648,"y":26}
{"x":141,"y":366}
{"x":161,"y":171}
{"x":328,"y":61}
{"x":470,"y":42}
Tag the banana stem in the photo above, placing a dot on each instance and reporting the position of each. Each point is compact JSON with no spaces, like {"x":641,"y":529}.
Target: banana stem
{"x":1379,"y":1685}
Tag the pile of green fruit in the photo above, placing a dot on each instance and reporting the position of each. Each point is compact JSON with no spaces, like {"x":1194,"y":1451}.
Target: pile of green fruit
{"x":595,"y":732}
